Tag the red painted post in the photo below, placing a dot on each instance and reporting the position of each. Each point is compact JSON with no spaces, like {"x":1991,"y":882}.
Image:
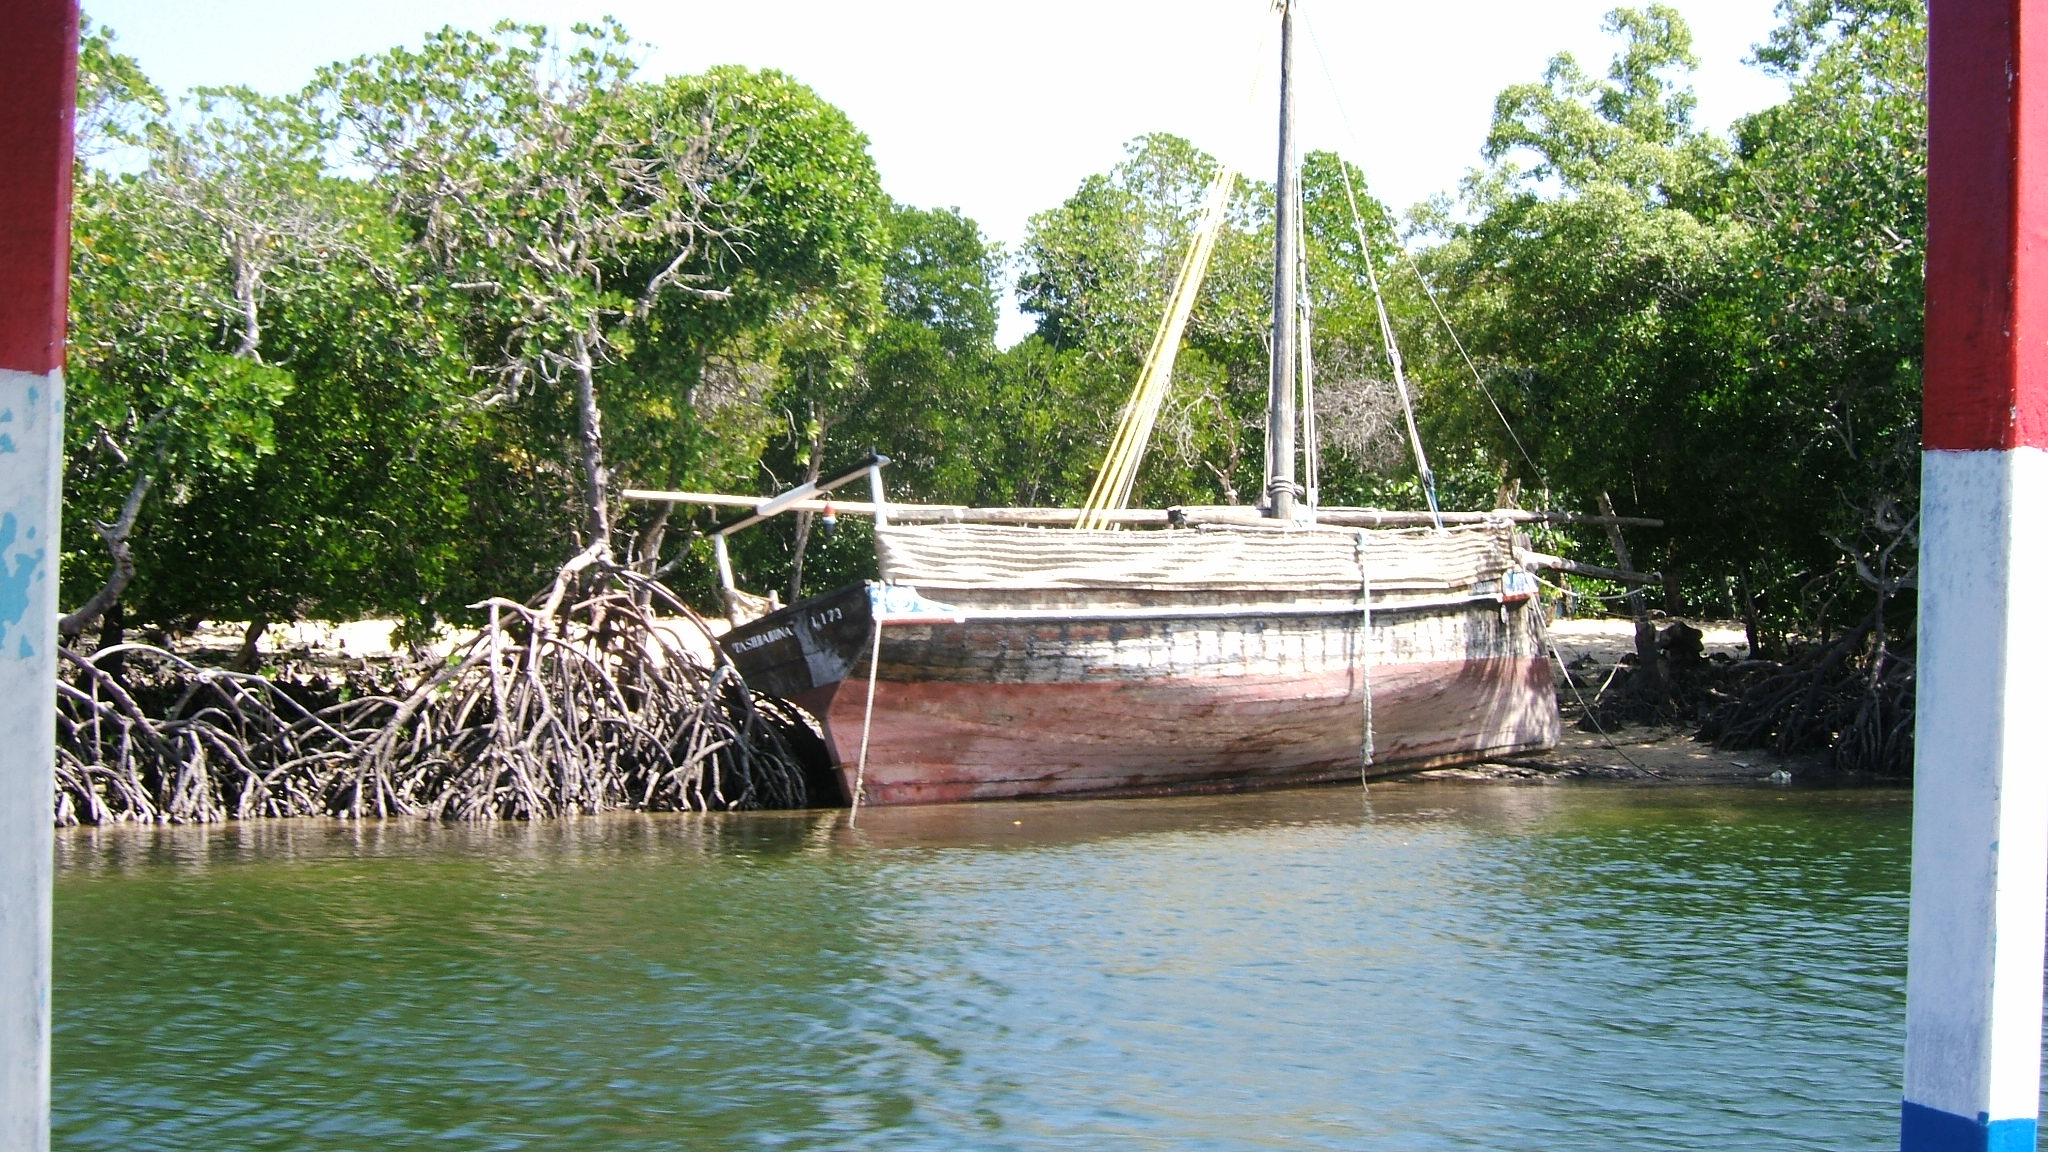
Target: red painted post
{"x":38,"y":92}
{"x":1980,"y":811}
{"x":38,"y":85}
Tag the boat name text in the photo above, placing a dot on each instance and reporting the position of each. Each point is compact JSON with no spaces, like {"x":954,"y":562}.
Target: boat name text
{"x":779,"y":632}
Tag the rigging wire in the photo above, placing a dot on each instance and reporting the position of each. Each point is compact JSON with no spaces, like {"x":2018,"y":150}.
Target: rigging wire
{"x":1311,"y":446}
{"x":1408,"y":257}
{"x":1118,"y":475}
{"x":1379,"y":302}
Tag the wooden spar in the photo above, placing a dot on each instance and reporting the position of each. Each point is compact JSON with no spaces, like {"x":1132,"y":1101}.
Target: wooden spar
{"x":1646,"y":632}
{"x":795,"y":498}
{"x":1378,"y":518}
{"x":1280,"y":486}
{"x":1190,"y":514}
{"x":1576,"y":568}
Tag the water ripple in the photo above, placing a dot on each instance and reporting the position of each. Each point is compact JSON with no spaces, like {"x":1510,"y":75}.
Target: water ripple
{"x":1416,"y":967}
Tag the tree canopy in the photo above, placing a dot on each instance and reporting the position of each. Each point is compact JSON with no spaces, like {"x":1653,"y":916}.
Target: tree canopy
{"x":392,"y":343}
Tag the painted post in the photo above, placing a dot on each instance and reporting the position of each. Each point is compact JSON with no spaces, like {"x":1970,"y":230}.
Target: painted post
{"x":38,"y":84}
{"x":1980,"y":809}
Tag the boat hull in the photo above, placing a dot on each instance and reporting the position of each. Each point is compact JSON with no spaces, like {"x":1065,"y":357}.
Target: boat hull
{"x":994,"y":705}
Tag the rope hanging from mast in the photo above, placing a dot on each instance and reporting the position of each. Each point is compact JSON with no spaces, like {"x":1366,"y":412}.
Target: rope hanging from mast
{"x":1408,"y":257}
{"x":1311,"y":444}
{"x":1379,"y":302}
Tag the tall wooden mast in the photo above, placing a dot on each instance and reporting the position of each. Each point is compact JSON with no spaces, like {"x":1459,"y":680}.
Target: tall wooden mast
{"x":1280,"y":485}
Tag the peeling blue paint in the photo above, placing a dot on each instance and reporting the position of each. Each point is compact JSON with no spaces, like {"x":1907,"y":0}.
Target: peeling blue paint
{"x":1924,"y":1129}
{"x":28,"y":650}
{"x":6,"y":442}
{"x":6,"y":415}
{"x":18,"y":569}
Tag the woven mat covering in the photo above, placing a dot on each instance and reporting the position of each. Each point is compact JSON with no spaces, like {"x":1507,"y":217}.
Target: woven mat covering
{"x":933,"y":556}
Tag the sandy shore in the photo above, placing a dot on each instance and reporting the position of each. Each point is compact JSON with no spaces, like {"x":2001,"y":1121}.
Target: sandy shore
{"x":1636,"y":752}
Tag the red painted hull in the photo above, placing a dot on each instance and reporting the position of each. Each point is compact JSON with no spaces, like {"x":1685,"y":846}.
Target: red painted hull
{"x":939,"y":742}
{"x":995,"y":704}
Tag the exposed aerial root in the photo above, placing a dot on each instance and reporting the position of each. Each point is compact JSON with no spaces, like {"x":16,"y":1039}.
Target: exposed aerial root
{"x":581,"y":701}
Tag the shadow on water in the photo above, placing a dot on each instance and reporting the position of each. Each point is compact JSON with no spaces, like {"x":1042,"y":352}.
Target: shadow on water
{"x":1410,"y":966}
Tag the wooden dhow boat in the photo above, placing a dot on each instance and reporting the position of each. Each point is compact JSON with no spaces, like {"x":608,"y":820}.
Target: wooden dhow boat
{"x":999,"y":661}
{"x":1001,"y":655}
{"x":1008,"y":652}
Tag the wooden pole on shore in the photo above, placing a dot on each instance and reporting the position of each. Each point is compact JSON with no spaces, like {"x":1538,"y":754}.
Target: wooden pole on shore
{"x":38,"y":95}
{"x":1980,"y":793}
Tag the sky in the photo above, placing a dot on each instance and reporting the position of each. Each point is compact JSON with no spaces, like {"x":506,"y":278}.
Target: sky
{"x":1000,"y":108}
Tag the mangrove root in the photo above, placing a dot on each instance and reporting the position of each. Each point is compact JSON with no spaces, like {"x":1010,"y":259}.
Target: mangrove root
{"x":585,"y":700}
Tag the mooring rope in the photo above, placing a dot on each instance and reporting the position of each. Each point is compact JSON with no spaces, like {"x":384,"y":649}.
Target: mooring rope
{"x":867,"y":720}
{"x":1585,"y":709}
{"x":1365,"y":749}
{"x":1408,"y":257}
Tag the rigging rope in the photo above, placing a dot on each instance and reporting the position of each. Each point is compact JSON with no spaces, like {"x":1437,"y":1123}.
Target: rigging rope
{"x":1428,"y":290}
{"x":1311,"y":448}
{"x":1379,"y":302}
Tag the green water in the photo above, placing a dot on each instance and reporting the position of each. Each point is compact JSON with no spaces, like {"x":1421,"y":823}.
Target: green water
{"x":1417,"y":966}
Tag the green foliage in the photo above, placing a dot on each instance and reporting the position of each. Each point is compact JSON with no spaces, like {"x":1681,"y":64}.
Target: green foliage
{"x":716,"y":391}
{"x":1667,"y":317}
{"x":378,"y":346}
{"x":1097,"y":272}
{"x":238,"y":339}
{"x":115,"y":97}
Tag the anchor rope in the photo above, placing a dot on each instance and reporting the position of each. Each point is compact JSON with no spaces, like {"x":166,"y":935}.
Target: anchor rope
{"x":1366,"y":751}
{"x":867,"y":720}
{"x":1585,"y":709}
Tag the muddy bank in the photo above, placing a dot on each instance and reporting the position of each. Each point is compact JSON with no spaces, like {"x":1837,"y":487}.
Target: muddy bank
{"x":1648,"y":753}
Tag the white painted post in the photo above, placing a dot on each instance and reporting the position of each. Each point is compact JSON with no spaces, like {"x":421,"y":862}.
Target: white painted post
{"x":1980,"y":806}
{"x":38,"y":82}
{"x":877,"y":496}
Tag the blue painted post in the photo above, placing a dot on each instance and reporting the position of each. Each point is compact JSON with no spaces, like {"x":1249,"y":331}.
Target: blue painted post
{"x":38,"y":81}
{"x":1980,"y":809}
